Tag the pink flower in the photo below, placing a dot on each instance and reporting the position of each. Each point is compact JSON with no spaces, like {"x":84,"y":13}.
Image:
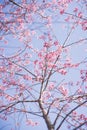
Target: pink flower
{"x":62,"y":11}
{"x":27,"y":77}
{"x":30,"y":122}
{"x":51,"y":87}
{"x":75,"y":10}
{"x":63,"y":90}
{"x":42,"y":37}
{"x":46,"y":44}
{"x":62,"y":71}
{"x":35,"y":62}
{"x":46,"y":95}
{"x":80,"y":14}
{"x":79,"y":91}
{"x":67,"y":19}
{"x":56,"y":43}
{"x":84,"y":25}
{"x":6,"y":42}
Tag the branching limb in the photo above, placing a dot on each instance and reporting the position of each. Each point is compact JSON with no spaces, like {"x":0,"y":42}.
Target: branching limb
{"x":80,"y":125}
{"x":69,"y":114}
{"x":15,"y":3}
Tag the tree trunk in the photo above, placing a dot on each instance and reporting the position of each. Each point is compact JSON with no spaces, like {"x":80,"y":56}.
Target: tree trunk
{"x":46,"y":118}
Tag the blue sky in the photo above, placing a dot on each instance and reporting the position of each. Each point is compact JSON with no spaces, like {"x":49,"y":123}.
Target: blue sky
{"x":59,"y":31}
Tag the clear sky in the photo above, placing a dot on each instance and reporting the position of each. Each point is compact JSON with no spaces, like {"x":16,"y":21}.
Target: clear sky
{"x":60,"y":30}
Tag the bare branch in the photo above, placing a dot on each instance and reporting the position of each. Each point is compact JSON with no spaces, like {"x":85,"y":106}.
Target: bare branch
{"x":15,"y":3}
{"x":84,"y":123}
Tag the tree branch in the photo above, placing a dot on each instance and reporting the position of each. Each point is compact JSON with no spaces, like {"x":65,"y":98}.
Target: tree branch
{"x":15,"y":3}
{"x":80,"y":125}
{"x":69,"y":114}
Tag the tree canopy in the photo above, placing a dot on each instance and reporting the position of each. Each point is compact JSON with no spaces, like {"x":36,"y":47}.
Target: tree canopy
{"x":43,"y":63}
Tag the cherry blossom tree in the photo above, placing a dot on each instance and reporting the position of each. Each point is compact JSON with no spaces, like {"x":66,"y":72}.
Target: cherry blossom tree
{"x":45,"y":74}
